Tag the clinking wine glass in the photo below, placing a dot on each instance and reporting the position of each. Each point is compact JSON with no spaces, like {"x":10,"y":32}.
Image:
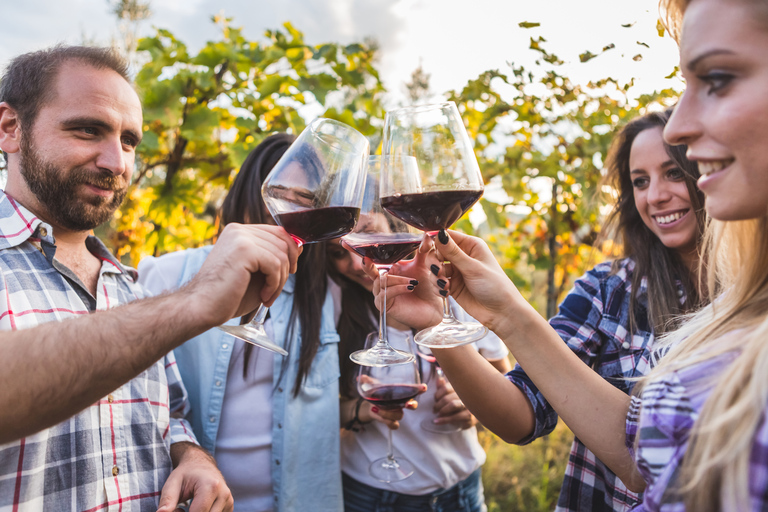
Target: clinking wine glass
{"x":427,"y":423}
{"x":314,"y":192}
{"x":389,"y":387}
{"x":385,"y":240}
{"x":444,"y":185}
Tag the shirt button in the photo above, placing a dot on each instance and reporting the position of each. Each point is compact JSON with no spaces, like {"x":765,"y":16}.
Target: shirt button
{"x":279,"y":425}
{"x":277,"y":461}
{"x":212,"y":419}
{"x":280,"y":390}
{"x":224,"y":345}
{"x":218,"y":383}
{"x":680,"y":293}
{"x":110,"y":398}
{"x":115,"y":470}
{"x":625,"y":345}
{"x":43,"y":231}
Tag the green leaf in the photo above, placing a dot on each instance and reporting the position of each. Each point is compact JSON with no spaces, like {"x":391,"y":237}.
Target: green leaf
{"x":528,"y":24}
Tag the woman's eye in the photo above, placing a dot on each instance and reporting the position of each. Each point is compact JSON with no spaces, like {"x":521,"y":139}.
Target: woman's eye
{"x":639,"y":182}
{"x":676,"y":174}
{"x":716,"y":81}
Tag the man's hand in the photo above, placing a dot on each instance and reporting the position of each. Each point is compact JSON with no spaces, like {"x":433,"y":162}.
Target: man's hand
{"x":195,"y":476}
{"x":248,"y":266}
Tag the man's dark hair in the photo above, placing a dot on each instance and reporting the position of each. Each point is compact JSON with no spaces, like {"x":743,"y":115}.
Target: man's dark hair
{"x":27,"y":84}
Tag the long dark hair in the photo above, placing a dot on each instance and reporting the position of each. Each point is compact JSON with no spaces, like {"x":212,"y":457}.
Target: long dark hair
{"x":661,"y":266}
{"x":244,"y":204}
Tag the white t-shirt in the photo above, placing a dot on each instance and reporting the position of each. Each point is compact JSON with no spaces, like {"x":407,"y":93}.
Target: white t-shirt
{"x":439,"y":460}
{"x":244,"y":440}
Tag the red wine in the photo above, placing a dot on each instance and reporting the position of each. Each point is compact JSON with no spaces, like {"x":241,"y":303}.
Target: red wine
{"x":431,"y":211}
{"x":391,"y":396}
{"x":384,"y":248}
{"x":318,"y":224}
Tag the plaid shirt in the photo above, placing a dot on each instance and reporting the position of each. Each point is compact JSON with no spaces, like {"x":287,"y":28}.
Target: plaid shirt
{"x":593,"y":320}
{"x":114,"y":455}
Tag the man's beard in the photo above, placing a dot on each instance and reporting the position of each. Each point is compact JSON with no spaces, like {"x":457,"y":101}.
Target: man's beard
{"x":57,"y":192}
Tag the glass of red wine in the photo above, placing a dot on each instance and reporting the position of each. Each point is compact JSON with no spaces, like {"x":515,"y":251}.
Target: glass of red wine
{"x":444,"y":185}
{"x":314,"y":192}
{"x":427,"y":423}
{"x":384,"y":240}
{"x":389,"y":387}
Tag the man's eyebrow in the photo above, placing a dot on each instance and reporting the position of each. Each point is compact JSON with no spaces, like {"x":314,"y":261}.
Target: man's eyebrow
{"x":77,"y":122}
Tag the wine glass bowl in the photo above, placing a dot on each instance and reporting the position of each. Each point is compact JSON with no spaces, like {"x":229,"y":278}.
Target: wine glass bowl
{"x":389,"y":387}
{"x":385,"y":240}
{"x":314,"y":192}
{"x":442,"y":186}
{"x":315,"y":189}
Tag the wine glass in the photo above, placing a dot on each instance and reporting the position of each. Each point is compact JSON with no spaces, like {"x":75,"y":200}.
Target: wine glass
{"x":445,"y":184}
{"x":385,"y":240}
{"x":389,"y":387}
{"x":314,"y":192}
{"x":427,"y":423}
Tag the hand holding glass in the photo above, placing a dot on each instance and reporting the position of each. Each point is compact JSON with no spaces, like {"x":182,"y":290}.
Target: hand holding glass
{"x":314,"y":192}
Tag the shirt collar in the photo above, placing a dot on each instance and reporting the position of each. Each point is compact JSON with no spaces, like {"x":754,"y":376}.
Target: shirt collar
{"x":18,"y":225}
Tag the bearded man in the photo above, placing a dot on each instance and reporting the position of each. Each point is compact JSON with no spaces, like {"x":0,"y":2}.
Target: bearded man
{"x":95,"y":374}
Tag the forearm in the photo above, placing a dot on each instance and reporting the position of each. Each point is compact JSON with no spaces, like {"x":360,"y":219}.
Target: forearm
{"x":591,"y":407}
{"x":496,"y":402}
{"x":50,"y":372}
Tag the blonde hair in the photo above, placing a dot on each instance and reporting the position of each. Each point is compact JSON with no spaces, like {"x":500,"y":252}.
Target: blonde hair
{"x":715,"y":470}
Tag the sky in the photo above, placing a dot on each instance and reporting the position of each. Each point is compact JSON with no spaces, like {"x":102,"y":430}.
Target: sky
{"x":453,"y":40}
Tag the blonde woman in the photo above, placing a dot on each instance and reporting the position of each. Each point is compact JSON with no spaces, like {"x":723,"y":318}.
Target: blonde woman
{"x":696,"y":431}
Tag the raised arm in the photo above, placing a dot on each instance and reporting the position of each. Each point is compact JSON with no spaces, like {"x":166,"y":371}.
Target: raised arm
{"x":593,"y":409}
{"x":50,"y":372}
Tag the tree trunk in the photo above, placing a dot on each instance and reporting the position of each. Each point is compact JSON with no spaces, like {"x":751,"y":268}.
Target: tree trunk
{"x":552,"y":289}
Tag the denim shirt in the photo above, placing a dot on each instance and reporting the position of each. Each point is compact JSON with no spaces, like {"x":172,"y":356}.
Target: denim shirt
{"x":306,"y":472}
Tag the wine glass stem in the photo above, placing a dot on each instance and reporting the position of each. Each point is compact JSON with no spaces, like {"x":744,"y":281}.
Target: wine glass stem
{"x":390,"y":451}
{"x":259,"y":317}
{"x":383,"y":309}
{"x":447,"y":313}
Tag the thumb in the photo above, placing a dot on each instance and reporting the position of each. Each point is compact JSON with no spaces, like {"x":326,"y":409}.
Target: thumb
{"x":462,"y":251}
{"x":169,"y":498}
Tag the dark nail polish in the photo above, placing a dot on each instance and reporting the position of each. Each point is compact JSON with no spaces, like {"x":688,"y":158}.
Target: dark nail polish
{"x":442,"y":236}
{"x":410,"y":287}
{"x":414,"y":282}
{"x":435,"y":269}
{"x":441,"y":283}
{"x":444,"y":293}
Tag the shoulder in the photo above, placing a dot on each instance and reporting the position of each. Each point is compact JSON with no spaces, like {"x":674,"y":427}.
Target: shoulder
{"x":162,"y":273}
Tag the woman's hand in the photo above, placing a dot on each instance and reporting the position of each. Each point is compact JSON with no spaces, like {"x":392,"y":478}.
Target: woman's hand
{"x":390,"y":417}
{"x":478,"y":283}
{"x":449,"y":408}
{"x":416,"y":305}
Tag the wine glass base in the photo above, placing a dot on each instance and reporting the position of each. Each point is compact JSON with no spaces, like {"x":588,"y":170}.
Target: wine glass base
{"x":390,"y":470}
{"x":439,"y":428}
{"x":253,"y":336}
{"x":381,"y":356}
{"x":450,"y":333}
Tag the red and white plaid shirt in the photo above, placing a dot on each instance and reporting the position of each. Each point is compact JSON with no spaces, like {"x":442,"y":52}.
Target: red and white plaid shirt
{"x":114,"y":455}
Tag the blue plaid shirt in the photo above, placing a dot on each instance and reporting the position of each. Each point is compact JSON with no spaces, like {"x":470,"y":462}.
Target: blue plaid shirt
{"x":114,"y":455}
{"x":594,"y":321}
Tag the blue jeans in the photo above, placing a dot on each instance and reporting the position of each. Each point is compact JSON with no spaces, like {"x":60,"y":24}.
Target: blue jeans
{"x":465,"y":496}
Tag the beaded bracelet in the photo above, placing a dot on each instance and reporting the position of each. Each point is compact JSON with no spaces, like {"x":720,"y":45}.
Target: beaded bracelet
{"x":355,"y":422}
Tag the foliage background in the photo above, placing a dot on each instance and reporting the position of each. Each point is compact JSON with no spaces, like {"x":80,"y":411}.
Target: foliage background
{"x":541,"y":141}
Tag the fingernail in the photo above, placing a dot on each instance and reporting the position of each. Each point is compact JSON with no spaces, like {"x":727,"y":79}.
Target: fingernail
{"x":414,"y":282}
{"x":444,"y":293}
{"x":434,"y":268}
{"x":442,"y":236}
{"x":410,"y":287}
{"x":441,"y":283}
{"x":374,"y":409}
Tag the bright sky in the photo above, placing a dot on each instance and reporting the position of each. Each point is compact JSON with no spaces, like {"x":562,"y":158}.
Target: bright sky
{"x":454,"y":40}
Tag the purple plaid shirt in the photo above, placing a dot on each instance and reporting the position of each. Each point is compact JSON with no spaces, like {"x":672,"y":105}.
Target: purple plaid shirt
{"x":114,"y":455}
{"x":594,"y":321}
{"x":663,"y":416}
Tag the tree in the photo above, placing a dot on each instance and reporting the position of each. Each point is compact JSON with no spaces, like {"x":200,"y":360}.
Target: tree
{"x":204,"y":113}
{"x":544,"y":145}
